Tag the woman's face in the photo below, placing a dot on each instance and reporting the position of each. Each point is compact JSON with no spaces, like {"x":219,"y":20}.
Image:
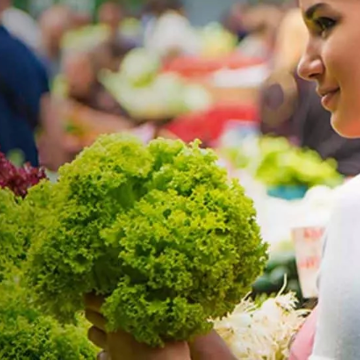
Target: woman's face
{"x":332,"y":59}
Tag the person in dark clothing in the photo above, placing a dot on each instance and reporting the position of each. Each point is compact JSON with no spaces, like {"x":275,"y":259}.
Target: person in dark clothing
{"x":24,"y":99}
{"x":291,"y":108}
{"x":22,"y":83}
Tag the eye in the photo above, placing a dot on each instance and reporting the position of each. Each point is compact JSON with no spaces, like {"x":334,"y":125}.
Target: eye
{"x":324,"y":25}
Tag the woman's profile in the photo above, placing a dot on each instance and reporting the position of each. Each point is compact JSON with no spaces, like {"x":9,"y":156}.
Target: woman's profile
{"x":331,"y":61}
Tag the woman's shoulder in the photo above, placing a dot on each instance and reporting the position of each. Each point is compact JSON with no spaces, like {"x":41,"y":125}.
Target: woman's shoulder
{"x":348,"y":195}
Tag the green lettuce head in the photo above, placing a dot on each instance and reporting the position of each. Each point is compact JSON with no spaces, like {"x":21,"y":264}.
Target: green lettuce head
{"x":158,"y":230}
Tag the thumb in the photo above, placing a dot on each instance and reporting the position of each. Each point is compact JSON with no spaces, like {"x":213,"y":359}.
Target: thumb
{"x":103,"y":356}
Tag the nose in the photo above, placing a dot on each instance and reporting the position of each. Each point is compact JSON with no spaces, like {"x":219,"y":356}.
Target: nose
{"x":310,"y":66}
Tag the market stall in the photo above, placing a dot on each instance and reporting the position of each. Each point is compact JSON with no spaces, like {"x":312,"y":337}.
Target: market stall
{"x":189,"y":198}
{"x":172,"y":207}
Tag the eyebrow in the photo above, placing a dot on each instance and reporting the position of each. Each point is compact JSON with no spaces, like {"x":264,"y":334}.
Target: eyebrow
{"x":309,"y":13}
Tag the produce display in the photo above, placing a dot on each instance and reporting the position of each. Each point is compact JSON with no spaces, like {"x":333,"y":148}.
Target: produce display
{"x":148,"y":94}
{"x":284,"y":164}
{"x":131,"y":28}
{"x":203,"y":67}
{"x":158,"y":230}
{"x":286,"y":170}
{"x":210,"y":125}
{"x":216,"y":40}
{"x":281,"y":268}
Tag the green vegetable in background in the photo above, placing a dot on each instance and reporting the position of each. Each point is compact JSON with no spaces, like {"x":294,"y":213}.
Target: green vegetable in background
{"x":147,"y":93}
{"x":85,"y":38}
{"x":20,"y":221}
{"x":11,"y":245}
{"x":159,"y":230}
{"x":25,"y":334}
{"x":281,"y":264}
{"x":140,"y":67}
{"x":17,"y":157}
{"x":284,"y":164}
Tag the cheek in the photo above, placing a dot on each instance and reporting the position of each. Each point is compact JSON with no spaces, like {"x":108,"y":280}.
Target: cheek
{"x":343,"y":69}
{"x":346,"y":118}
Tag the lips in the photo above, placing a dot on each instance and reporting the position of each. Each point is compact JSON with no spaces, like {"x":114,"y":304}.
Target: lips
{"x":328,"y":97}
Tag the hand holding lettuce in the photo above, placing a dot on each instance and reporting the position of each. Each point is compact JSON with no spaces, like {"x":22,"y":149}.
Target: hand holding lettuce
{"x":158,"y":230}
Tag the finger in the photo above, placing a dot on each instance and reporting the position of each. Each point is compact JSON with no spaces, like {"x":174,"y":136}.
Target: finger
{"x":103,"y":356}
{"x":97,"y":337}
{"x":93,"y":302}
{"x":173,"y":351}
{"x":96,"y":319}
{"x":210,"y":347}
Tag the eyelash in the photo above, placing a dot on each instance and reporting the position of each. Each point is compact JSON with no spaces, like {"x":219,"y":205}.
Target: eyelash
{"x":324,"y":25}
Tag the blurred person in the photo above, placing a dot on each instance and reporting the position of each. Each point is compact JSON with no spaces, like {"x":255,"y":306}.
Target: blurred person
{"x":86,"y":104}
{"x":109,"y":54}
{"x":54,"y":23}
{"x":234,"y":21}
{"x":283,"y":89}
{"x":81,"y":72}
{"x":112,"y":14}
{"x":25,"y":103}
{"x":89,"y":105}
{"x":291,"y":108}
{"x":81,"y":19}
{"x":168,"y":31}
{"x":21,"y":24}
{"x":261,"y":24}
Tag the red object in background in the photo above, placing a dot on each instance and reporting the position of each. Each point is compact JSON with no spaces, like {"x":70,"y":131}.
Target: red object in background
{"x":209,"y":125}
{"x":196,"y":67}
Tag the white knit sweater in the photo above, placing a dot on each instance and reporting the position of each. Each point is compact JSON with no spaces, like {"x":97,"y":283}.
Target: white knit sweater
{"x":338,"y":329}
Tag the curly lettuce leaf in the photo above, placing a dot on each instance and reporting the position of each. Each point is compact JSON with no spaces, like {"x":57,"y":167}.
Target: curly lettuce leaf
{"x":158,"y":230}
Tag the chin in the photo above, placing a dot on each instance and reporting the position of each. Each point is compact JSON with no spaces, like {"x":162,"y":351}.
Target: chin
{"x":344,"y":127}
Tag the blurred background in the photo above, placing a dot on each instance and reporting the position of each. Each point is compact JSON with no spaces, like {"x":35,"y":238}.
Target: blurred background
{"x":223,"y":72}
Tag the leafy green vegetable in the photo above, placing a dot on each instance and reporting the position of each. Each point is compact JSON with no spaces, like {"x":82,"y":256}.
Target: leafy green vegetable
{"x":25,"y":334}
{"x":284,"y":164}
{"x":11,"y":245}
{"x":20,"y":221}
{"x":158,"y":230}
